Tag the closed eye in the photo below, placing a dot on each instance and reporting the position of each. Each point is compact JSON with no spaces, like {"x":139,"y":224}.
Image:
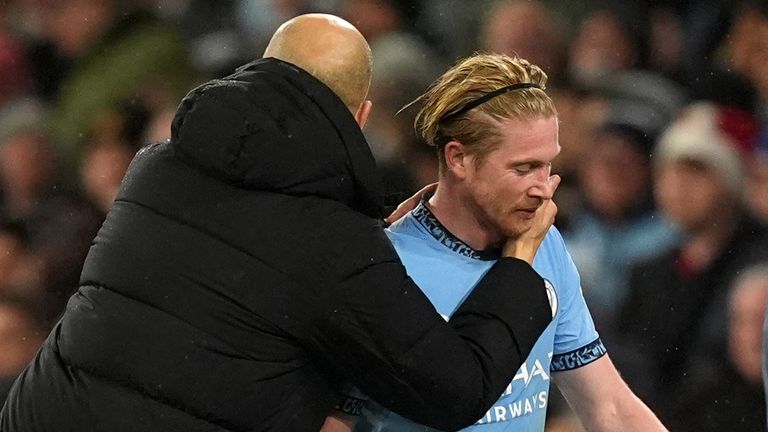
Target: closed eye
{"x":528,"y":167}
{"x":523,"y":169}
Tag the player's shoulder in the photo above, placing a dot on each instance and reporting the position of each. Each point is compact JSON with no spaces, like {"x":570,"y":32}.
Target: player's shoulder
{"x":554,"y":262}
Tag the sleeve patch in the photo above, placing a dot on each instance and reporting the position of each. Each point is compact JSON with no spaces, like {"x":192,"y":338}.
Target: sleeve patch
{"x":350,"y":405}
{"x":578,"y":357}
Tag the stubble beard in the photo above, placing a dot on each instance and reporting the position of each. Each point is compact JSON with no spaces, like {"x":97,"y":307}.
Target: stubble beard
{"x":502,"y":223}
{"x":510,"y":228}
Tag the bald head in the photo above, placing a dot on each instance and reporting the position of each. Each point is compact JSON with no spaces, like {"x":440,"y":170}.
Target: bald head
{"x":330,"y":49}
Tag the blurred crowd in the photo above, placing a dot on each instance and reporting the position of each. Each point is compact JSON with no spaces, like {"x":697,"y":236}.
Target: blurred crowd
{"x":663,"y":111}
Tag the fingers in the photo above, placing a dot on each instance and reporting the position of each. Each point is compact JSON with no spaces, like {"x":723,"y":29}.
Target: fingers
{"x":551,"y":212}
{"x":402,"y":209}
{"x":547,"y":212}
{"x":554,"y":182}
{"x":410,"y":203}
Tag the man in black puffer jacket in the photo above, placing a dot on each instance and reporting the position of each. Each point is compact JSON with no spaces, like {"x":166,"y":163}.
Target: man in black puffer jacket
{"x":242,"y":274}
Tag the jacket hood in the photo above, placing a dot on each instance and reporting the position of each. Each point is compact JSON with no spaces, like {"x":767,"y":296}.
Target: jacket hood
{"x":271,"y":126}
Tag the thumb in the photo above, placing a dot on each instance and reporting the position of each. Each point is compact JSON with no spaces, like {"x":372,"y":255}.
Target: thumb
{"x":554,"y":182}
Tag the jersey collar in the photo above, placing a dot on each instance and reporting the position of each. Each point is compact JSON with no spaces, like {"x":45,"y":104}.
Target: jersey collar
{"x":427,"y":219}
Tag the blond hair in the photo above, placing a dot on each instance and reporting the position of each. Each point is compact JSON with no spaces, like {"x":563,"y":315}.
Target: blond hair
{"x":479,"y":128}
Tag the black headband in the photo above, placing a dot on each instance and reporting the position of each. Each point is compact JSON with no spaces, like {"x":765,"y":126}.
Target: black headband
{"x":488,"y":96}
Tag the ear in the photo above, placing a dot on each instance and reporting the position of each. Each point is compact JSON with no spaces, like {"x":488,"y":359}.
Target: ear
{"x":361,"y":116}
{"x":456,"y":159}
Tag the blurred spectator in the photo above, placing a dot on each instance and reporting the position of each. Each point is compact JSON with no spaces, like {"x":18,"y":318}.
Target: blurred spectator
{"x":21,"y":334}
{"x":117,"y":135}
{"x":581,"y":110}
{"x":530,"y":30}
{"x":618,"y":224}
{"x":58,"y":224}
{"x":734,"y":400}
{"x":103,"y":168}
{"x":113,"y":53}
{"x":673,"y":318}
{"x":747,"y":304}
{"x":28,"y":160}
{"x":607,"y":41}
{"x":403,"y":67}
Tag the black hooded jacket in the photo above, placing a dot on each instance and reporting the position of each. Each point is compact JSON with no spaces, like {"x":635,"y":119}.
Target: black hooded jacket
{"x":241,"y":275}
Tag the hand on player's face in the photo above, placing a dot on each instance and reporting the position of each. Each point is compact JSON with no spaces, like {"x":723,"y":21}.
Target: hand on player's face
{"x":545,"y":214}
{"x":410,"y":203}
{"x":527,"y":244}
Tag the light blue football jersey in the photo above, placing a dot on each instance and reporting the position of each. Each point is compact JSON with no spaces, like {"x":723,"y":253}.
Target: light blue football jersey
{"x":447,"y":270}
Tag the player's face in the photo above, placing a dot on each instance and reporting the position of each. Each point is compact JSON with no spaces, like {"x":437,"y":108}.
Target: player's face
{"x":689,"y":193}
{"x":508,"y":186}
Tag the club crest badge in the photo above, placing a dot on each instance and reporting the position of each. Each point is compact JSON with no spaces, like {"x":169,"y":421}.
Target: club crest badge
{"x":551,"y":296}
